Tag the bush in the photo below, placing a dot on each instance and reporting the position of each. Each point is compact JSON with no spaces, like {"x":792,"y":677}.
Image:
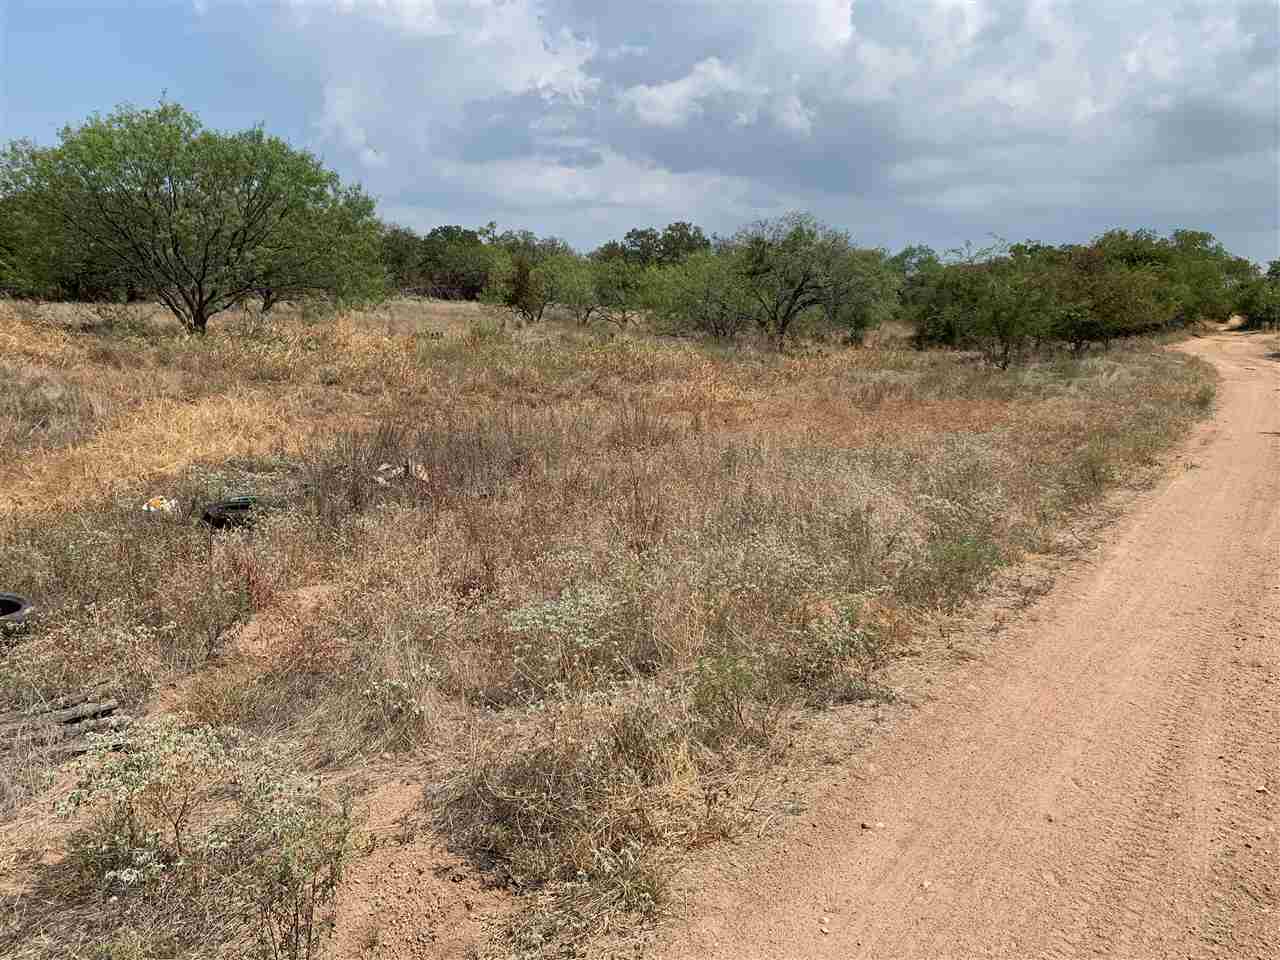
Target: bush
{"x":189,"y":819}
{"x":570,"y":283}
{"x":588,"y":807}
{"x":703,"y":295}
{"x":1006,"y":299}
{"x":990,"y":301}
{"x":1258,"y":301}
{"x":795,"y":269}
{"x":584,"y":639}
{"x":517,"y":287}
{"x":623,"y":290}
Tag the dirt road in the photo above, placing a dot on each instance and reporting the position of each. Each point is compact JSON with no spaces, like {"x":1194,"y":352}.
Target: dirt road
{"x":1106,"y":783}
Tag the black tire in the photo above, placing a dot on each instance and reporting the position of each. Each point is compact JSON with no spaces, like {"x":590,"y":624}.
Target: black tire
{"x":14,"y":610}
{"x":227,"y":514}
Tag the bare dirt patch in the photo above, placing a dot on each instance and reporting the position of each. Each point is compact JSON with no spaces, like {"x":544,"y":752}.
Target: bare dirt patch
{"x":409,"y":898}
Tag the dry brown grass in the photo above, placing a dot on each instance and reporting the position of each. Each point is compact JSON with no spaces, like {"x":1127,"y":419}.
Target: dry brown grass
{"x":615,"y":578}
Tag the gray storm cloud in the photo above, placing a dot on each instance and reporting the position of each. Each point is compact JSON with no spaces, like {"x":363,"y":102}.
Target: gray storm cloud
{"x":935,"y":121}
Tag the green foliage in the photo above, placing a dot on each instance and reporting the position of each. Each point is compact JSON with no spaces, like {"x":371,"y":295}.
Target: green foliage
{"x":570,"y":282}
{"x":775,"y":276}
{"x":988,"y":299}
{"x":703,"y":295}
{"x":1258,"y":300}
{"x":1005,"y":298}
{"x":642,"y":247}
{"x":613,"y":250}
{"x":1097,"y":301}
{"x":795,"y":268}
{"x":623,"y":290}
{"x":456,"y":264}
{"x":401,"y":254}
{"x":521,"y":289}
{"x":37,"y":259}
{"x":1196,"y":274}
{"x":681,"y":240}
{"x":526,"y":293}
{"x":645,"y":247}
{"x":148,"y":200}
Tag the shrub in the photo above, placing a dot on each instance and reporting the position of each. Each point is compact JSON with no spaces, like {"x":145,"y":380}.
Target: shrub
{"x":794,"y":268}
{"x":189,"y":819}
{"x":703,"y":295}
{"x":582,"y":639}
{"x":587,"y":806}
{"x":1258,"y":301}
{"x":737,"y":696}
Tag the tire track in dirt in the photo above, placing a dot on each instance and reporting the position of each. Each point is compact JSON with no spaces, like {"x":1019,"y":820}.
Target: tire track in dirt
{"x":1104,"y":783}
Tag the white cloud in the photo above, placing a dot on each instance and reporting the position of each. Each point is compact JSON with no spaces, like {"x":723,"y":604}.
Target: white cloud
{"x":493,"y":45}
{"x":968,"y":107}
{"x":832,"y":22}
{"x":624,"y":50}
{"x":420,"y":16}
{"x":674,"y":103}
{"x":340,"y":119}
{"x":952,"y":26}
{"x":883,"y":70}
{"x":794,"y":116}
{"x":619,"y":187}
{"x":1156,"y":54}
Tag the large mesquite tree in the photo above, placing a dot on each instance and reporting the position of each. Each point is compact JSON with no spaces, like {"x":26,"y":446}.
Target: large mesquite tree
{"x":795,"y":266}
{"x":201,"y":220}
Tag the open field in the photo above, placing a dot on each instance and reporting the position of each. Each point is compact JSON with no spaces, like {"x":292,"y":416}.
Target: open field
{"x":617,"y":597}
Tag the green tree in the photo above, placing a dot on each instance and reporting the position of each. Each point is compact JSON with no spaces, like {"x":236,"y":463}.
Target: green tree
{"x":1006,"y":305}
{"x":37,"y":257}
{"x":623,"y":290}
{"x":643,"y":246}
{"x":569,"y":281}
{"x":1197,"y":276}
{"x":704,"y":294}
{"x":518,"y":286}
{"x":1258,"y":300}
{"x":402,"y":259}
{"x":457,"y":263}
{"x":526,"y":290}
{"x":998,"y":300}
{"x":613,"y":250}
{"x":679,"y":241}
{"x":200,"y":219}
{"x":333,"y":250}
{"x":795,"y":267}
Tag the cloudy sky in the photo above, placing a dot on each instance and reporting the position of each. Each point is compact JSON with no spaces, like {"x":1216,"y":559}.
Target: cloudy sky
{"x":903,"y":121}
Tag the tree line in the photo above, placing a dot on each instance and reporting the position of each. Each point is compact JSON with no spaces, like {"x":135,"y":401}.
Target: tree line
{"x":148,"y":203}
